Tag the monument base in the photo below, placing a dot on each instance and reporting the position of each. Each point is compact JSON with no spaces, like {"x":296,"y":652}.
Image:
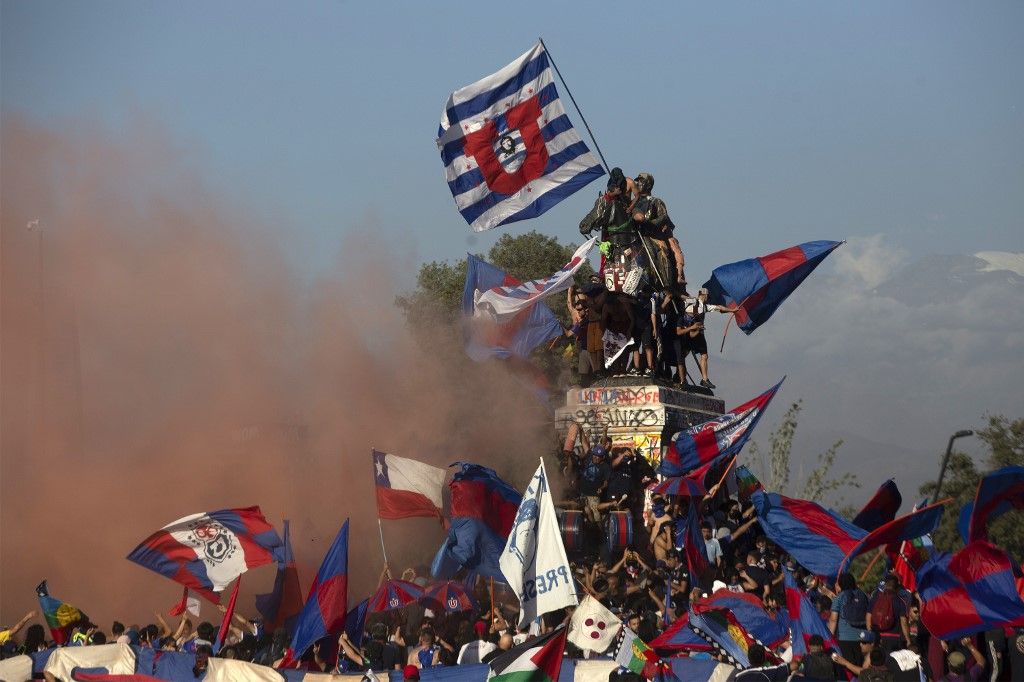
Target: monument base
{"x":638,"y":412}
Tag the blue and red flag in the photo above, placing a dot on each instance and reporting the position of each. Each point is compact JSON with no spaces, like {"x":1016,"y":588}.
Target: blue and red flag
{"x":680,"y":486}
{"x":355,"y":627}
{"x":804,"y":619}
{"x":719,"y":437}
{"x":327,"y":603}
{"x":60,"y":616}
{"x":917,"y":523}
{"x":972,"y":591}
{"x":693,"y":544}
{"x":448,"y":595}
{"x":282,"y":605}
{"x":394,"y":594}
{"x":881,"y":508}
{"x":517,"y":337}
{"x":721,"y":629}
{"x":679,"y":636}
{"x":483,"y":508}
{"x":767,"y":628}
{"x":206,"y":551}
{"x":758,"y":286}
{"x":999,"y":492}
{"x":509,"y":150}
{"x":818,"y":538}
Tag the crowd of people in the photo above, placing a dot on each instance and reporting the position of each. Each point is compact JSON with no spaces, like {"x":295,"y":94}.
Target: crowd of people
{"x":626,"y":551}
{"x":642,"y":296}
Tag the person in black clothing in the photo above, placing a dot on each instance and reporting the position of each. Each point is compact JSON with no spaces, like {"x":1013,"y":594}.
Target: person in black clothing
{"x":755,"y":579}
{"x":760,"y":670}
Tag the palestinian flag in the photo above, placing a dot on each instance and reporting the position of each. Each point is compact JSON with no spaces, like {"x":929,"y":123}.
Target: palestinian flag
{"x":537,"y":660}
{"x":60,"y":616}
{"x":634,"y":654}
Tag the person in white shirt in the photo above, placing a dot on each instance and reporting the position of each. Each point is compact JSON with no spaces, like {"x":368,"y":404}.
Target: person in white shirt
{"x":691,"y":331}
{"x":473,"y":652}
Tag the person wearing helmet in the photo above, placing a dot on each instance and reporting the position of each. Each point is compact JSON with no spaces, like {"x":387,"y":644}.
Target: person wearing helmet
{"x":650,"y":215}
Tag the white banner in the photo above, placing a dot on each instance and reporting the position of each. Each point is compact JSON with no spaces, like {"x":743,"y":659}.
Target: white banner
{"x":614,"y":345}
{"x":534,"y":561}
{"x":503,"y":303}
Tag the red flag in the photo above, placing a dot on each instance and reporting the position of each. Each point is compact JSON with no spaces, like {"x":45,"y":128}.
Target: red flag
{"x":179,"y":608}
{"x":225,"y":625}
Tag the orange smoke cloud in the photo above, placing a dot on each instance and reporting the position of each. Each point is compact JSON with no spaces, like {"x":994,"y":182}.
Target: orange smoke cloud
{"x":160,"y":356}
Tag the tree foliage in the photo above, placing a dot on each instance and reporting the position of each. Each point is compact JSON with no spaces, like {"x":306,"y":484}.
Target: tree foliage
{"x":820,"y":482}
{"x":437,"y":297}
{"x":1005,"y":442}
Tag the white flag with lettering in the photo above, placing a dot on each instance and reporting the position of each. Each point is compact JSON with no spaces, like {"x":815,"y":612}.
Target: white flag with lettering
{"x":534,"y":561}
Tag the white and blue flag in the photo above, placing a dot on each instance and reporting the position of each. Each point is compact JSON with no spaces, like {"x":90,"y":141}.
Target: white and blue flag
{"x":509,"y":150}
{"x":534,"y":562}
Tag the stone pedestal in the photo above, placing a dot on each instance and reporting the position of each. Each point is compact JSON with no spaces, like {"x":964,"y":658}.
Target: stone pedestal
{"x":636,"y":412}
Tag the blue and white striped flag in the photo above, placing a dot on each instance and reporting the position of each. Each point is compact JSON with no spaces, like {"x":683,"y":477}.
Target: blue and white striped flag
{"x":509,"y":150}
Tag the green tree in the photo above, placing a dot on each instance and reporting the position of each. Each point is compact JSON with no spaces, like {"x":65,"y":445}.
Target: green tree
{"x":438,"y":293}
{"x":1005,"y":441}
{"x":819,"y":483}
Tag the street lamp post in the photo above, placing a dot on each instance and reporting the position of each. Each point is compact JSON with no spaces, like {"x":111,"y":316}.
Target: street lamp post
{"x":945,"y":461}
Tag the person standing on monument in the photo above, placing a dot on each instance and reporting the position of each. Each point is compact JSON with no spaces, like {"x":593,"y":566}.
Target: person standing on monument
{"x":650,"y":215}
{"x":691,"y":331}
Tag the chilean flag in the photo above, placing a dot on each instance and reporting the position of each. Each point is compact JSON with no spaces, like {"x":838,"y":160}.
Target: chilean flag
{"x":407,"y":488}
{"x":758,"y":286}
{"x":206,"y":551}
{"x":327,"y":602}
{"x":720,"y":437}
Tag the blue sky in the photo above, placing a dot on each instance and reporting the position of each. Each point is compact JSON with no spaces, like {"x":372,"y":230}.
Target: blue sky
{"x":765,"y":124}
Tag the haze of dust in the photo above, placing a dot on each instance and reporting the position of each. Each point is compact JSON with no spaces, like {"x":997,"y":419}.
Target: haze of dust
{"x":161,"y":357}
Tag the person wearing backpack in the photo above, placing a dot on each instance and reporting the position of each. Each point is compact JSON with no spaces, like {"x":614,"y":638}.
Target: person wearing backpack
{"x":848,"y":617}
{"x":887,"y":616}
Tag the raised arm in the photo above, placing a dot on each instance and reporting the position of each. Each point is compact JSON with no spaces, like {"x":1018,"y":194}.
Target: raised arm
{"x":22,"y":623}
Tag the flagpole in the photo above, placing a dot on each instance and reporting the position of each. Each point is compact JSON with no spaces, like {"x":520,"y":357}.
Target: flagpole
{"x":380,"y":526}
{"x":577,"y":107}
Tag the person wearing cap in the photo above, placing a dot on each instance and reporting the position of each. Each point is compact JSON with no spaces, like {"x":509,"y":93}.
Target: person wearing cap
{"x":410,"y":672}
{"x":866,"y":644}
{"x":691,"y":331}
{"x":473,"y":652}
{"x":650,"y":215}
{"x":957,"y":663}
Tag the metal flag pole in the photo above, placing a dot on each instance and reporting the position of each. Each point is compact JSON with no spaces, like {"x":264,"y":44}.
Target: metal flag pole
{"x":380,"y":526}
{"x":576,"y":106}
